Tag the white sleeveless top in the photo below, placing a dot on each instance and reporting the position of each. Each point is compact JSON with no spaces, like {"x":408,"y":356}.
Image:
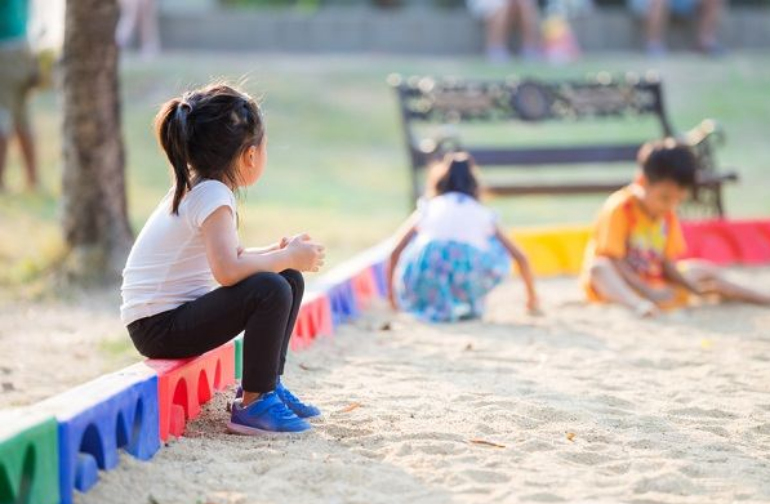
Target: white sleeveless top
{"x":456,"y":217}
{"x":167,"y":266}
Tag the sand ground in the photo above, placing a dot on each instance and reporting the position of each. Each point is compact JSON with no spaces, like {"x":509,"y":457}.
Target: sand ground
{"x":585,"y":404}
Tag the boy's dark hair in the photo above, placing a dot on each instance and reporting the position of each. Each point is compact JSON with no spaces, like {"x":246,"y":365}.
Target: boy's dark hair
{"x":204,"y":132}
{"x":668,"y":159}
{"x":455,"y":173}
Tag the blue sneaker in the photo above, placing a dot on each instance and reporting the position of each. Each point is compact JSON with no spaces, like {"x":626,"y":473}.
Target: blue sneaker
{"x":268,"y":415}
{"x":301,"y":409}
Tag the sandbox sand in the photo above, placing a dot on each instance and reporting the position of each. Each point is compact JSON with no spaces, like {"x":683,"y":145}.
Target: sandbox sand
{"x":586,"y":404}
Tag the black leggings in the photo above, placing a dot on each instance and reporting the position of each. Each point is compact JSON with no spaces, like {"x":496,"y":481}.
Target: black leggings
{"x":265,"y":305}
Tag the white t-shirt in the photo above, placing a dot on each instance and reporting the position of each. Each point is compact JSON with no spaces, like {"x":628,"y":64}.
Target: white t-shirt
{"x":457,"y":217}
{"x":167,"y":266}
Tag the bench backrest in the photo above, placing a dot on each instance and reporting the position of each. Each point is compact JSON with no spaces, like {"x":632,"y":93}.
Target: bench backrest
{"x":426,"y":100}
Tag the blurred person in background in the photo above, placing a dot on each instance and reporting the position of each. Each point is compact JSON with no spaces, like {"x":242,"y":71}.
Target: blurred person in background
{"x":141,"y":17}
{"x":18,"y":75}
{"x":656,"y":14}
{"x":500,"y":16}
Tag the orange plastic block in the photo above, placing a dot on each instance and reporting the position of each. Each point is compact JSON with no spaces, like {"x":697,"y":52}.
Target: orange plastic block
{"x":184,"y":385}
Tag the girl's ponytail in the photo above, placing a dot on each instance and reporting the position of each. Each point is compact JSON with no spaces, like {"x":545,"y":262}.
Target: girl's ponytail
{"x":171,"y":130}
{"x":203,"y":132}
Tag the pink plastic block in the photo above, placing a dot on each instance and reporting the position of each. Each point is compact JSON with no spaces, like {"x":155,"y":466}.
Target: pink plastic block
{"x":365,"y":288}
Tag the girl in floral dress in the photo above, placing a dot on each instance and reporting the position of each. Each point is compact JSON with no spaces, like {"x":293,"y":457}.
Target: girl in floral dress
{"x":450,"y":253}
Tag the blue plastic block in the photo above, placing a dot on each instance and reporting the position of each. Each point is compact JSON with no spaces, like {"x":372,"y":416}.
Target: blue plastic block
{"x":380,"y":270}
{"x":119,"y":410}
{"x":342,"y":298}
{"x":29,"y":458}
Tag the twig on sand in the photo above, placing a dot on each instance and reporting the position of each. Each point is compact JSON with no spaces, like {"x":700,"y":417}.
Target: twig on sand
{"x":351,"y":407}
{"x":486,"y":443}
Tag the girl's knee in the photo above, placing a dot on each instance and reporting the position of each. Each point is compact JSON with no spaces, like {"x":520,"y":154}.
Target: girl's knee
{"x":265,"y":286}
{"x":294,"y":277}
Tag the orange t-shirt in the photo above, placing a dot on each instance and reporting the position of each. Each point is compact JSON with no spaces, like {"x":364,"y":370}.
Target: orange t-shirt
{"x":624,"y":231}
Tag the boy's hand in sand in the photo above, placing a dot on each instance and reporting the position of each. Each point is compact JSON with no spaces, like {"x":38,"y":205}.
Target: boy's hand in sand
{"x":305,"y":255}
{"x":661,"y":295}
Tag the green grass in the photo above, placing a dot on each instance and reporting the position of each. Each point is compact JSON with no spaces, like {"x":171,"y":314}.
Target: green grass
{"x":338,"y":166}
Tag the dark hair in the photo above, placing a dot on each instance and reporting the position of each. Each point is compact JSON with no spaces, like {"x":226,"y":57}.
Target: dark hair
{"x":204,"y":132}
{"x":457,"y":172}
{"x":668,"y":159}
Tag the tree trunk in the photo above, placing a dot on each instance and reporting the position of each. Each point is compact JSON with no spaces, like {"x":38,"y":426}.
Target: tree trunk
{"x":95,"y":219}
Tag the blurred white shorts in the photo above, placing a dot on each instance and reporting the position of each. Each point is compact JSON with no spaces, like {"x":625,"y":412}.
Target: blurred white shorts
{"x":485,"y":8}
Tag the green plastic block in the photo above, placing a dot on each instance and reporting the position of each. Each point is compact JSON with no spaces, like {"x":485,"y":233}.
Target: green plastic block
{"x":238,"y":357}
{"x":29,"y":458}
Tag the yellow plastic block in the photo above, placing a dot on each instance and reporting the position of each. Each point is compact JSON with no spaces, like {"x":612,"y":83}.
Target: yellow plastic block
{"x":554,"y":250}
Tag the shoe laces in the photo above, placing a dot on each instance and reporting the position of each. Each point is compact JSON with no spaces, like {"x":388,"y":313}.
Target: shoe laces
{"x":280,"y":410}
{"x":287,"y":397}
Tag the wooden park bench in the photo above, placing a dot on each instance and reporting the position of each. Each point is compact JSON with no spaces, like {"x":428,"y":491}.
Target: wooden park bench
{"x":445,"y":105}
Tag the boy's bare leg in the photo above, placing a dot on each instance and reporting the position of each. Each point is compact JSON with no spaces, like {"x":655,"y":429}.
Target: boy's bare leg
{"x":608,"y":282}
{"x":713,"y":280}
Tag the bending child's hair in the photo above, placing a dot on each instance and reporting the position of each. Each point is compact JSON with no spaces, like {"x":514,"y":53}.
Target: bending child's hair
{"x":204,"y":131}
{"x":457,"y":172}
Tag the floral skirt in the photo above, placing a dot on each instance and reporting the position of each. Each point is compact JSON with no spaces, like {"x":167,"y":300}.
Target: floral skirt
{"x":446,"y":281}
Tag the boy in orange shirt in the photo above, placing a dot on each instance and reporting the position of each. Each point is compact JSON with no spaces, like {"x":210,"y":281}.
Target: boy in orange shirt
{"x":632,"y":256}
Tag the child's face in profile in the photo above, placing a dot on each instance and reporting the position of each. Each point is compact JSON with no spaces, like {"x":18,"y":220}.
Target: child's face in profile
{"x":661,"y":197}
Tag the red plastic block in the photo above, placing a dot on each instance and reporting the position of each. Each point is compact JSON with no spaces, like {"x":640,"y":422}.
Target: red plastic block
{"x":184,"y":385}
{"x":709,"y":240}
{"x":753,"y":241}
{"x":728,"y":242}
{"x":314,"y":319}
{"x":365,"y":287}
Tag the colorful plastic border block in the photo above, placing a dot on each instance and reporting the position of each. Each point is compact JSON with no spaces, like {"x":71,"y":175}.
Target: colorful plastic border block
{"x":238,"y":342}
{"x":554,"y":250}
{"x":184,"y":385}
{"x":342,"y":298}
{"x":97,"y":419}
{"x":314,"y":320}
{"x":29,"y":458}
{"x":380,"y":271}
{"x":365,"y":288}
{"x":728,"y":242}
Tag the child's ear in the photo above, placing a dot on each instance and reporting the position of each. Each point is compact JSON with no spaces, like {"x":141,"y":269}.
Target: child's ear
{"x":641,"y":179}
{"x":250,"y":156}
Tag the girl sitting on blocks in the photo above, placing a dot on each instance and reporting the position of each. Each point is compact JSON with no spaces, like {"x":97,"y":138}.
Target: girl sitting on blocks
{"x":189,"y":286}
{"x":451,"y":253}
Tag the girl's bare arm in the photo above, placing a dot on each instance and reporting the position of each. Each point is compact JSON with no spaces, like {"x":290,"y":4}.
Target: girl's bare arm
{"x":524,"y":268}
{"x":228,"y":267}
{"x":404,"y":235}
